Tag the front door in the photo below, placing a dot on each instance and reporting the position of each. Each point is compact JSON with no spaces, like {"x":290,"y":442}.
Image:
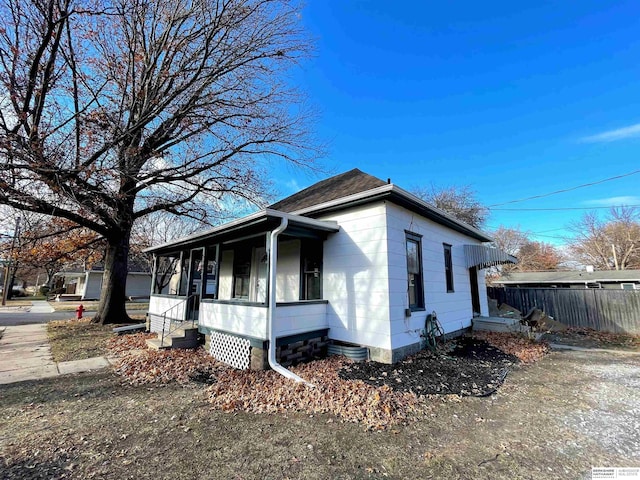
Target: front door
{"x":195,"y":284}
{"x":475,"y":293}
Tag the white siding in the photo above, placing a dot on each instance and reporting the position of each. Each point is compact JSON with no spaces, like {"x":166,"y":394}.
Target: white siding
{"x":138,"y":285}
{"x":233,"y":318}
{"x":93,"y":287}
{"x":292,"y":319}
{"x":355,"y":277}
{"x":288,"y":271}
{"x":174,"y":307}
{"x":482,"y":288}
{"x":454,"y":309}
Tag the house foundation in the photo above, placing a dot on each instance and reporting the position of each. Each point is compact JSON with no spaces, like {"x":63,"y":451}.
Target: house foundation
{"x":243,"y":353}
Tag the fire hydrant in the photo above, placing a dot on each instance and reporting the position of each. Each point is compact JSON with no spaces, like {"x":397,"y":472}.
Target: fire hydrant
{"x":79,"y":311}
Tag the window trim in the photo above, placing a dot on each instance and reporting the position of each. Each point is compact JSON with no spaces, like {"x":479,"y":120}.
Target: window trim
{"x":448,"y":267}
{"x":245,"y":263}
{"x":419,"y":294}
{"x":310,"y":248}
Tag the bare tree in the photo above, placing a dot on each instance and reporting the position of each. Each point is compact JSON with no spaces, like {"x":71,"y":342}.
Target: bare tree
{"x":116,"y":110}
{"x":532,"y":256}
{"x":156,"y":229}
{"x":458,"y":201}
{"x":609,"y":243}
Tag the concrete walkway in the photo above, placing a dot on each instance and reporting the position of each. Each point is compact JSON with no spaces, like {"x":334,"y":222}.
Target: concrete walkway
{"x":25,"y":354}
{"x":41,"y":306}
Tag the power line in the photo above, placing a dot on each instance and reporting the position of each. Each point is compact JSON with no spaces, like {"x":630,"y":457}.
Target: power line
{"x":558,"y":208}
{"x":567,"y":189}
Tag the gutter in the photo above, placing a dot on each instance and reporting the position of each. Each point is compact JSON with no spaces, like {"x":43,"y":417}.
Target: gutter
{"x":271,"y":310}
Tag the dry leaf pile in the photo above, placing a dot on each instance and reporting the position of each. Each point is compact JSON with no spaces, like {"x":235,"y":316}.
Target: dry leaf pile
{"x":353,"y":401}
{"x":152,"y":366}
{"x":621,"y":339}
{"x":138,"y":364}
{"x":527,"y":350}
{"x":124,"y":343}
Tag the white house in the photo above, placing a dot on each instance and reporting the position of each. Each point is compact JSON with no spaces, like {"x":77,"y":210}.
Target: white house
{"x":352,"y":259}
{"x":87,"y":284}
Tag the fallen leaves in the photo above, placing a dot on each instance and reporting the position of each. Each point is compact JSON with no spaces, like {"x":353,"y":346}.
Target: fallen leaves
{"x":376,"y":406}
{"x":606,"y":338}
{"x":527,"y":350}
{"x":124,"y":343}
{"x":151,"y":366}
{"x":353,"y":401}
{"x":139,"y":365}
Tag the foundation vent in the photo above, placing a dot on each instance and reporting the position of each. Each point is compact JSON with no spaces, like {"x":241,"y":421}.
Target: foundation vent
{"x":230,"y":349}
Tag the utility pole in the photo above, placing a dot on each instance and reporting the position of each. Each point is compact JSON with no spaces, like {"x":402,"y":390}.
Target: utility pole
{"x":615,"y":258}
{"x":7,"y":267}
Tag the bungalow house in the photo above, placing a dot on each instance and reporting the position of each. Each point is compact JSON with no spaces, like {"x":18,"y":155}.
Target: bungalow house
{"x":352,"y":259}
{"x":86,"y":284}
{"x":607,"y":279}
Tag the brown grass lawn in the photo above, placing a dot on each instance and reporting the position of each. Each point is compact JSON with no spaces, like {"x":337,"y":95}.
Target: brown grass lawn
{"x":77,"y":339}
{"x":20,"y":302}
{"x":92,"y":306}
{"x":554,"y":420}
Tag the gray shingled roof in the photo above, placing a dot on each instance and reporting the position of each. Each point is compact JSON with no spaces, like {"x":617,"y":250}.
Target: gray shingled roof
{"x":348,"y":183}
{"x":570,"y":277}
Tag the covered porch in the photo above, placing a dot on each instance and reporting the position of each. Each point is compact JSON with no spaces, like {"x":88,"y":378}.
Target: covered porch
{"x":254,"y":281}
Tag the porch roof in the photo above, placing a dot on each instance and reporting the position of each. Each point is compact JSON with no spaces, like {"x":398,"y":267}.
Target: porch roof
{"x":262,"y":221}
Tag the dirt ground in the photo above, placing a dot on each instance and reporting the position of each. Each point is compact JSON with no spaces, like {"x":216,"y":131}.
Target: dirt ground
{"x":554,"y":419}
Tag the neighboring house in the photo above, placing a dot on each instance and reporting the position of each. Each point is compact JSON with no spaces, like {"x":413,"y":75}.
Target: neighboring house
{"x":352,"y":258}
{"x":87,"y":284}
{"x":609,"y":279}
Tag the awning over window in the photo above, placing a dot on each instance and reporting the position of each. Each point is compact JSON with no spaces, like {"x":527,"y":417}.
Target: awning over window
{"x":481,"y":256}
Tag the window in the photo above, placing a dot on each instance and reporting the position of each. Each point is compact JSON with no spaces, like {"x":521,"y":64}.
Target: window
{"x":448,"y":267}
{"x":211,"y":269}
{"x":414,"y":271}
{"x":311,"y":271}
{"x":628,"y":286}
{"x":241,"y":272}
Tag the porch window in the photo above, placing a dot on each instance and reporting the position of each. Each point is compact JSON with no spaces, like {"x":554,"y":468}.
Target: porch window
{"x":241,"y":273}
{"x":211,"y":269}
{"x":311,"y":271}
{"x":167,"y":276}
{"x":448,"y":267}
{"x":184,"y":273}
{"x":414,"y":271}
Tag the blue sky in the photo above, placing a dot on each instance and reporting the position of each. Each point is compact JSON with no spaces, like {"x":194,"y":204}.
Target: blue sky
{"x":516,"y":99}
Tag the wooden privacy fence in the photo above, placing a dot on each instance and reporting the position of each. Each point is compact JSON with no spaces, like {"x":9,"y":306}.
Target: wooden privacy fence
{"x":605,"y":310}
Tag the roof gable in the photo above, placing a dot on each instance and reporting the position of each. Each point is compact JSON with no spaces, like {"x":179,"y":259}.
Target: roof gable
{"x":348,"y":183}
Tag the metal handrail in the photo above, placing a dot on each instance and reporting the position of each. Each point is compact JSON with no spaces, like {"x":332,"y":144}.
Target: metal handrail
{"x":180,"y":324}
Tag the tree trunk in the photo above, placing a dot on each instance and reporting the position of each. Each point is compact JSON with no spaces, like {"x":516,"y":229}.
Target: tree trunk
{"x":111,"y":308}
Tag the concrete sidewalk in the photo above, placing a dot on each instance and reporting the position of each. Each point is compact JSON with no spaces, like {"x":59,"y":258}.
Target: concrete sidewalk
{"x":25,"y":354}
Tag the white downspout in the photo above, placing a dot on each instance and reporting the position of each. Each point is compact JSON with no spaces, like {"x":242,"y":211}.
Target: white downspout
{"x":271,"y":310}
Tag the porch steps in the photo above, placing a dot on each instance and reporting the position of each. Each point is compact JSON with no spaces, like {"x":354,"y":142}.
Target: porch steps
{"x":498,"y":324}
{"x":183,"y":338}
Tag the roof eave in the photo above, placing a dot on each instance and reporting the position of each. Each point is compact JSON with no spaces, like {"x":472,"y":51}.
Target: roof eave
{"x":242,"y":223}
{"x":401,"y":197}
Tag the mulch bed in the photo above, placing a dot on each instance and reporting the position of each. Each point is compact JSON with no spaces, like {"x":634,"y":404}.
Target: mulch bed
{"x":465,"y":366}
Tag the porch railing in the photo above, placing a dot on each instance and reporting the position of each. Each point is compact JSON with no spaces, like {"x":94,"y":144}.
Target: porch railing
{"x":171,"y":314}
